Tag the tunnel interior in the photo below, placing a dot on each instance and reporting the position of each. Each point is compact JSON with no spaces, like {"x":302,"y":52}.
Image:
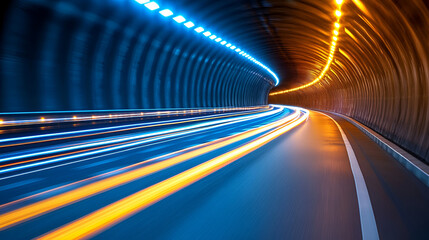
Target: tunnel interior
{"x":116,"y":54}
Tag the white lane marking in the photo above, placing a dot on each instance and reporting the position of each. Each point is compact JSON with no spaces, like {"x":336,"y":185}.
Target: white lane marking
{"x":386,"y":143}
{"x":367,"y":219}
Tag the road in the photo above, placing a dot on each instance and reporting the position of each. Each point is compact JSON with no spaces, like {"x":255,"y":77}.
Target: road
{"x":272,"y":173}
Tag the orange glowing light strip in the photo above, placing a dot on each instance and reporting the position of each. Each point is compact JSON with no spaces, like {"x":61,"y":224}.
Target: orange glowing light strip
{"x":106,"y":217}
{"x":330,"y":58}
{"x":28,"y":212}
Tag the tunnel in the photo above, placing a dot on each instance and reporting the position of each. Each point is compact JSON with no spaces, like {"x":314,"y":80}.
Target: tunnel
{"x":236,"y":119}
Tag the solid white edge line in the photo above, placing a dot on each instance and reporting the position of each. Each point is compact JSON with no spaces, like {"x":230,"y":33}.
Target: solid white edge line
{"x":367,"y":218}
{"x":419,"y":169}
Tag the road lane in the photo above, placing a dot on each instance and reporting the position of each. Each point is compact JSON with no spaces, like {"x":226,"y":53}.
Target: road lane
{"x":297,"y":186}
{"x":400,"y":201}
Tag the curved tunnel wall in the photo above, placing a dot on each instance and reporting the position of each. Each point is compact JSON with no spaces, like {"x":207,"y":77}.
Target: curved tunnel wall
{"x":80,"y":55}
{"x":380,"y":76}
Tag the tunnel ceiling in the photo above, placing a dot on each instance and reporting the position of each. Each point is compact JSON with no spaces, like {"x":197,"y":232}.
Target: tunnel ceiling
{"x":260,"y":27}
{"x":380,"y":71}
{"x":379,"y":75}
{"x":293,"y":37}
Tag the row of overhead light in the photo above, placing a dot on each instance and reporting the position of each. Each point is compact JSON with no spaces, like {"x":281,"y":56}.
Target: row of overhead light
{"x":331,"y":54}
{"x":153,"y":6}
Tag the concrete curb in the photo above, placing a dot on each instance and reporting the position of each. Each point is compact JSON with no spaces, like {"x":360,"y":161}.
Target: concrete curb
{"x":415,"y":166}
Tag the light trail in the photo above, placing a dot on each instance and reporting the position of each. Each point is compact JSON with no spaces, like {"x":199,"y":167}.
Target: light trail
{"x":112,"y":214}
{"x":122,"y":142}
{"x":28,"y":212}
{"x":332,"y":48}
{"x":114,"y":129}
{"x":81,"y":116}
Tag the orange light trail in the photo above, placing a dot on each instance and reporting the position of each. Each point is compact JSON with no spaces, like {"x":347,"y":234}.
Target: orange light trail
{"x":330,"y":57}
{"x":99,"y":220}
{"x":28,"y":212}
{"x":82,"y":151}
{"x":127,"y":129}
{"x":74,"y":118}
{"x":96,"y":148}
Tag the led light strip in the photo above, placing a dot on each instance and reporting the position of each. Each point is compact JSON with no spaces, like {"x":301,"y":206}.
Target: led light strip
{"x":331,"y":54}
{"x":151,"y":5}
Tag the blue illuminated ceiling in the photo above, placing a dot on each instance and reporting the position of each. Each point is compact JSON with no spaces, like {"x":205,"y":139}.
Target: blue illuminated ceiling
{"x":165,"y":12}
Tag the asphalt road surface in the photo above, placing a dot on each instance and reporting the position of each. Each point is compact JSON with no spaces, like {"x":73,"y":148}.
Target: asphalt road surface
{"x":272,"y":173}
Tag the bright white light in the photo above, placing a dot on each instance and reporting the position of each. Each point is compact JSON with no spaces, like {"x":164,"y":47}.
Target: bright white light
{"x":228,"y":45}
{"x":199,"y":29}
{"x":189,"y":24}
{"x":152,"y":5}
{"x":142,"y":1}
{"x":166,"y":12}
{"x":207,"y":33}
{"x":223,"y":42}
{"x":179,"y":19}
{"x":338,"y":13}
{"x":218,"y":39}
{"x":233,"y":47}
{"x":212,"y":37}
{"x":238,"y":50}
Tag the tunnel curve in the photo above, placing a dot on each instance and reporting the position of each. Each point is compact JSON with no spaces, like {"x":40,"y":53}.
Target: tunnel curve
{"x":379,"y":76}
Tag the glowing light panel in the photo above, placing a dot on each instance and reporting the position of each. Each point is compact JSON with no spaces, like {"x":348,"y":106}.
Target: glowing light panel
{"x":142,"y":1}
{"x":199,"y":29}
{"x":152,"y":6}
{"x":166,"y":12}
{"x":179,"y":19}
{"x":189,"y":24}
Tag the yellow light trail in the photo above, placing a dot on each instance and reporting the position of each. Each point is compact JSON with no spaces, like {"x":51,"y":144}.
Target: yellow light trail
{"x":330,"y":58}
{"x":33,"y":210}
{"x":99,"y":220}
